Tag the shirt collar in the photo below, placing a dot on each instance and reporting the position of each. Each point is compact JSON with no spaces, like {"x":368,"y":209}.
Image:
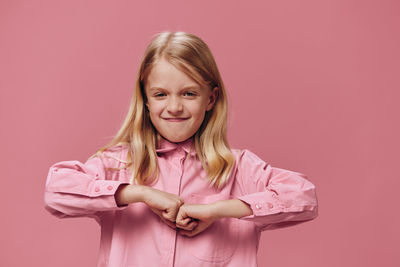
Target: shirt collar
{"x":166,"y":146}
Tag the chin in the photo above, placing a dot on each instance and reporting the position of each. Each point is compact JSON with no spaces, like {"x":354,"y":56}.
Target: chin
{"x":175,"y":139}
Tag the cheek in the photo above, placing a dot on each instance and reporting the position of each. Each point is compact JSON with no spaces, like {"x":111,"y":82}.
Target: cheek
{"x":200,"y":109}
{"x":199,"y":112}
{"x":154,"y":108}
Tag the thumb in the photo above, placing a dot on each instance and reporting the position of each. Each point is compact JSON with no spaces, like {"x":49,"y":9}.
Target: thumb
{"x":182,"y":218}
{"x":166,"y":215}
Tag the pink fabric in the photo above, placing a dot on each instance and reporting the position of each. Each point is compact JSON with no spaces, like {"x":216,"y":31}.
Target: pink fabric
{"x":132,"y":235}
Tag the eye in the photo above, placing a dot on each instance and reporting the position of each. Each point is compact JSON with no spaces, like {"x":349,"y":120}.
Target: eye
{"x":159,"y":95}
{"x":190,"y":93}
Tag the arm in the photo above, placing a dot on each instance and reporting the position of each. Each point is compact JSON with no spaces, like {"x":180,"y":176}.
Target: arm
{"x":75,"y":189}
{"x":234,"y":208}
{"x":127,"y":193}
{"x":201,"y":216}
{"x":277,"y":197}
{"x":164,"y":204}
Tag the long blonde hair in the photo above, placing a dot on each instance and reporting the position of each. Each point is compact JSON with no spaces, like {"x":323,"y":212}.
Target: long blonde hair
{"x":191,"y":55}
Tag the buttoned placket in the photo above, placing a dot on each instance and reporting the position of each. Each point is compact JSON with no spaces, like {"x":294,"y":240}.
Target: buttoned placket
{"x":177,"y":161}
{"x":182,"y":157}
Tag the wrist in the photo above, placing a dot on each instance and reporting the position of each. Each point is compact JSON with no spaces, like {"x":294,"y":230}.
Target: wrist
{"x":128,"y":193}
{"x":138,"y":193}
{"x":144,"y":193}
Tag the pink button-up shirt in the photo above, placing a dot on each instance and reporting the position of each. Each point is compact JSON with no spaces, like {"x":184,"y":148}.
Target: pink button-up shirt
{"x":132,"y":235}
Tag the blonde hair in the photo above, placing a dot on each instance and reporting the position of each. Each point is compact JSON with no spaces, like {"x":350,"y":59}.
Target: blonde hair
{"x":191,"y":55}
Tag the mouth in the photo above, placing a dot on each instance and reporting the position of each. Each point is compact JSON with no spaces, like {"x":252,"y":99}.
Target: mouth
{"x":175,"y":119}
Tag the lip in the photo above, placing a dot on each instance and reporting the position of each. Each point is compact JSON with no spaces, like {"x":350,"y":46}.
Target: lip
{"x":175,"y":119}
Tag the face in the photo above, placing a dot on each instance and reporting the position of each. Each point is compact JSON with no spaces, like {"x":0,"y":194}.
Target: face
{"x":176,"y":103}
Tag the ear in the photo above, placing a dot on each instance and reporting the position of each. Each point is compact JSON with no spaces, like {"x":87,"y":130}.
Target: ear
{"x":212,"y":98}
{"x":146,"y":102}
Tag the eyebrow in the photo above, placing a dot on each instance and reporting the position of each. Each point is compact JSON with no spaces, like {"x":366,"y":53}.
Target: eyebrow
{"x":184,"y":88}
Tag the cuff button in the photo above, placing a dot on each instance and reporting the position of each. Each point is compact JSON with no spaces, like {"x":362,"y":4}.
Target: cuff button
{"x":97,"y":189}
{"x":258,"y":206}
{"x":109,"y":187}
{"x":270,"y":205}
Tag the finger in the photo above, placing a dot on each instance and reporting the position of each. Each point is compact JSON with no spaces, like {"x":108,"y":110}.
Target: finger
{"x":191,"y":226}
{"x":185,"y":233}
{"x":189,"y":232}
{"x":181,"y":217}
{"x":183,"y":222}
{"x":160,"y":215}
{"x":156,"y":211}
{"x":168,"y":216}
{"x":200,"y":227}
{"x":170,"y":224}
{"x":188,"y":227}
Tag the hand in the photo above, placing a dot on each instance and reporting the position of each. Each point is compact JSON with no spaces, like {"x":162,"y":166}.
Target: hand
{"x":164,"y":204}
{"x":200,"y":216}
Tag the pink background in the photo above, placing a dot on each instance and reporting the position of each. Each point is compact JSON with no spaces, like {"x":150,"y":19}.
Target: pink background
{"x":313,"y":87}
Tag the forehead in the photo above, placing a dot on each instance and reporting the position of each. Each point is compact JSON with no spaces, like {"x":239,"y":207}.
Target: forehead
{"x":166,"y":76}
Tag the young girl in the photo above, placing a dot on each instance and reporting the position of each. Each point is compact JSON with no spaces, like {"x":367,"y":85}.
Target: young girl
{"x":168,"y":190}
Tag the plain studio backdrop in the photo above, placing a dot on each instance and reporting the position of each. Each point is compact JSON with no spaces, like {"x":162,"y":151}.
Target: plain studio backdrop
{"x":313,"y":87}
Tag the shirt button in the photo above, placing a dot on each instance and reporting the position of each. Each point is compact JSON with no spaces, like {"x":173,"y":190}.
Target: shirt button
{"x":109,"y":187}
{"x":97,"y":189}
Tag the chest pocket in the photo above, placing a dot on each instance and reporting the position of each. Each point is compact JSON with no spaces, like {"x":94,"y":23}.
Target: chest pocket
{"x":218,"y":242}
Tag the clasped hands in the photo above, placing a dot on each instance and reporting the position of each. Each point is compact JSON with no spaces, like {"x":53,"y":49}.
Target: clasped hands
{"x":187,"y":219}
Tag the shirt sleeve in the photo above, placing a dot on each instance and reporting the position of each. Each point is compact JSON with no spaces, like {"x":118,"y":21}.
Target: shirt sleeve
{"x":76,"y":189}
{"x":278,"y":197}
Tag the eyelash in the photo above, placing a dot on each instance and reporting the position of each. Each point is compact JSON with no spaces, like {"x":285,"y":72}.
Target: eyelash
{"x":161,"y":94}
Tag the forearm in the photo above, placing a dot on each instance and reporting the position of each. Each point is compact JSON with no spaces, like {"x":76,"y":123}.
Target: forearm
{"x":234,"y":208}
{"x":128,"y":193}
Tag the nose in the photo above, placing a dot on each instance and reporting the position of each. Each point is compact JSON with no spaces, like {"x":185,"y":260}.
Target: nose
{"x":174,"y":105}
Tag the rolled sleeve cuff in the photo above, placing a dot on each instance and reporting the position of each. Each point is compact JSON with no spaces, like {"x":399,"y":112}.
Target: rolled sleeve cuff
{"x":106,"y":190}
{"x":261,"y":205}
